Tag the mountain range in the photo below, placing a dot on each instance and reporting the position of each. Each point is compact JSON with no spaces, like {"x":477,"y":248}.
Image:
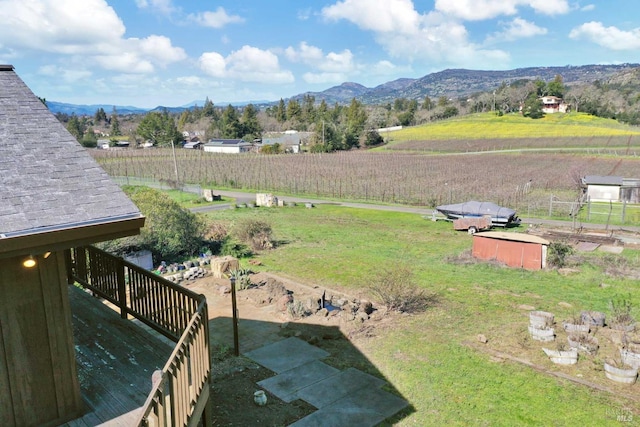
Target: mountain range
{"x":452,"y":83}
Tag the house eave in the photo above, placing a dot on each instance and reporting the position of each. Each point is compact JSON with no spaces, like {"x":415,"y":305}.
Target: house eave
{"x":68,"y":236}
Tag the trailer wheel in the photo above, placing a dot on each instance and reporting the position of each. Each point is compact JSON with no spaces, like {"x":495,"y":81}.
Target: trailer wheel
{"x":472,"y":230}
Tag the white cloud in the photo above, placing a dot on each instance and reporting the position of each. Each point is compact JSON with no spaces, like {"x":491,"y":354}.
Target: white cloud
{"x":189,"y":81}
{"x":516,"y":29}
{"x":324,"y":78}
{"x":89,"y":29}
{"x":217,"y":19}
{"x":587,"y":8}
{"x":332,"y":62}
{"x":376,"y":15}
{"x":165,"y":7}
{"x":478,"y":10}
{"x":158,"y":49}
{"x":248,"y":64}
{"x":405,"y":33}
{"x":63,"y":26}
{"x":609,"y":37}
{"x":67,"y":74}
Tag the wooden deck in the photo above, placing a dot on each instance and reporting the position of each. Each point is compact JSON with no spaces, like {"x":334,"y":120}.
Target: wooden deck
{"x":116,"y":359}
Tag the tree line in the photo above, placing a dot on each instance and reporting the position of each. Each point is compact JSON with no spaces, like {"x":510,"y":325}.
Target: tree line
{"x":343,"y":127}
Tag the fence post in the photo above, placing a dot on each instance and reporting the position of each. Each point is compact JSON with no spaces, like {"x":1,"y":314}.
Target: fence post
{"x":624,"y":210}
{"x":550,"y":205}
{"x":122,"y":291}
{"x":81,"y":263}
{"x":588,"y":208}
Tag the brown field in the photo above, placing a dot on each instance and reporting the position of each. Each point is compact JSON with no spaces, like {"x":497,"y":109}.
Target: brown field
{"x":522,"y":181}
{"x":616,"y":145}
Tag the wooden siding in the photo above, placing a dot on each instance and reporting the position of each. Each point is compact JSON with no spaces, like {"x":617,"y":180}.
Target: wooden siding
{"x":38,"y":378}
{"x":525,"y":255}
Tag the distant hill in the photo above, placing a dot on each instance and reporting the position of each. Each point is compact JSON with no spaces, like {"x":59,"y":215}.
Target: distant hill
{"x":453,"y":83}
{"x":90,"y":110}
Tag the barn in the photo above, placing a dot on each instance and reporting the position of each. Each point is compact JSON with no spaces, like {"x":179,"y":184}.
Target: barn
{"x":513,"y":249}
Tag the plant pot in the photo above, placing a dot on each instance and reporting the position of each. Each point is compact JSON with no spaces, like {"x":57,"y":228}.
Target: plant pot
{"x":626,"y":375}
{"x":260,"y":398}
{"x":561,"y":357}
{"x":575,"y":328}
{"x":544,"y":335}
{"x":593,"y":318}
{"x":630,"y":358}
{"x":584,"y":343}
{"x":540,"y":319}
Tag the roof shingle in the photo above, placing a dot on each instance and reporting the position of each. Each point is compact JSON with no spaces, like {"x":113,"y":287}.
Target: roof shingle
{"x":48,"y":180}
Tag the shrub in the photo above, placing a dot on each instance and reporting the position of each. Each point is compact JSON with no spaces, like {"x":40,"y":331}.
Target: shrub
{"x":621,"y":311}
{"x":235,"y":249}
{"x":256,"y":234}
{"x":397,"y":291}
{"x":557,"y":254}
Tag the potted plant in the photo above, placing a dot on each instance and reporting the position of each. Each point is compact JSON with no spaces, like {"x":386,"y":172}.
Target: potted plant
{"x":575,"y":324}
{"x":541,"y":319}
{"x":583,"y":342}
{"x":562,"y":356}
{"x":617,"y":371}
{"x":621,"y":317}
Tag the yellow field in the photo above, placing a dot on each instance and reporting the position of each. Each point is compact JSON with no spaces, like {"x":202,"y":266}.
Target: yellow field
{"x":490,"y":126}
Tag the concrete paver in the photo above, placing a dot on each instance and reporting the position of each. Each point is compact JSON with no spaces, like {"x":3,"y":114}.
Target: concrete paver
{"x":286,"y":354}
{"x":286,"y":385}
{"x":350,"y":397}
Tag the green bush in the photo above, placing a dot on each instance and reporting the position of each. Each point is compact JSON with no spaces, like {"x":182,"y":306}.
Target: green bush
{"x":170,"y":232}
{"x":557,"y":254}
{"x":235,"y":249}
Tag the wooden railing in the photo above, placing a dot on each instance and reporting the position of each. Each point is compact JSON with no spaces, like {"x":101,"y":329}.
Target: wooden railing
{"x":180,"y":392}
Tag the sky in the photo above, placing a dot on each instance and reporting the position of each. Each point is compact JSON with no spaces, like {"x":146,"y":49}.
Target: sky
{"x":146,"y":53}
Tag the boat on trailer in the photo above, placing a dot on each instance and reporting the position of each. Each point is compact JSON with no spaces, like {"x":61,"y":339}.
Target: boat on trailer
{"x":500,"y":215}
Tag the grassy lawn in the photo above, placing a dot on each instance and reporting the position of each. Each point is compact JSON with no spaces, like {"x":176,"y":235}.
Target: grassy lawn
{"x":425,"y":356}
{"x":490,"y":126}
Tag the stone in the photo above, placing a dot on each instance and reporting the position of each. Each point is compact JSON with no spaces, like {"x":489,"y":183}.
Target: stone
{"x":482,"y":338}
{"x":283,"y":301}
{"x":366,"y":306}
{"x":224,"y":290}
{"x":565,"y":304}
{"x":362,"y":316}
{"x":313,"y":304}
{"x":348,"y":315}
{"x":323,"y":312}
{"x":221,"y":266}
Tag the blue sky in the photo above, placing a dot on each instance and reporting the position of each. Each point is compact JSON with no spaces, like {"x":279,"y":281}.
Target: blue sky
{"x":170,"y":52}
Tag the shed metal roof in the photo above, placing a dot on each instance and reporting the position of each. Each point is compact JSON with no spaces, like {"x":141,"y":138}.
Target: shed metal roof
{"x":515,"y":237}
{"x":602,"y":180}
{"x":48,"y":181}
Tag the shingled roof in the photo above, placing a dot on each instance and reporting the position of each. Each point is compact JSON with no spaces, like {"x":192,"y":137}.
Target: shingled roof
{"x":49,"y":182}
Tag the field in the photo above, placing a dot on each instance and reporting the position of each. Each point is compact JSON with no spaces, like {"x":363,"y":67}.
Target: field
{"x":490,"y":126}
{"x":434,"y":359}
{"x":525,"y":182}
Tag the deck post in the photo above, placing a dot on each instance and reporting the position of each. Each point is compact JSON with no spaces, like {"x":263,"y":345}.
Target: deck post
{"x":122,"y":292}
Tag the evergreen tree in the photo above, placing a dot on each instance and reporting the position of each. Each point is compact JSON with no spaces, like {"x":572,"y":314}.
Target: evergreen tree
{"x":230,"y":126}
{"x":159,"y":128}
{"x":281,"y":112}
{"x":250,"y":123}
{"x":74,"y":126}
{"x":115,"y":123}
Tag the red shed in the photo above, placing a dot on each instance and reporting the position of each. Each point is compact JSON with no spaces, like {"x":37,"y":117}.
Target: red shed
{"x":513,"y":249}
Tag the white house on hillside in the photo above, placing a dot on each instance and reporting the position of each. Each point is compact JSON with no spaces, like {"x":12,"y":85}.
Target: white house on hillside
{"x":553,"y":104}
